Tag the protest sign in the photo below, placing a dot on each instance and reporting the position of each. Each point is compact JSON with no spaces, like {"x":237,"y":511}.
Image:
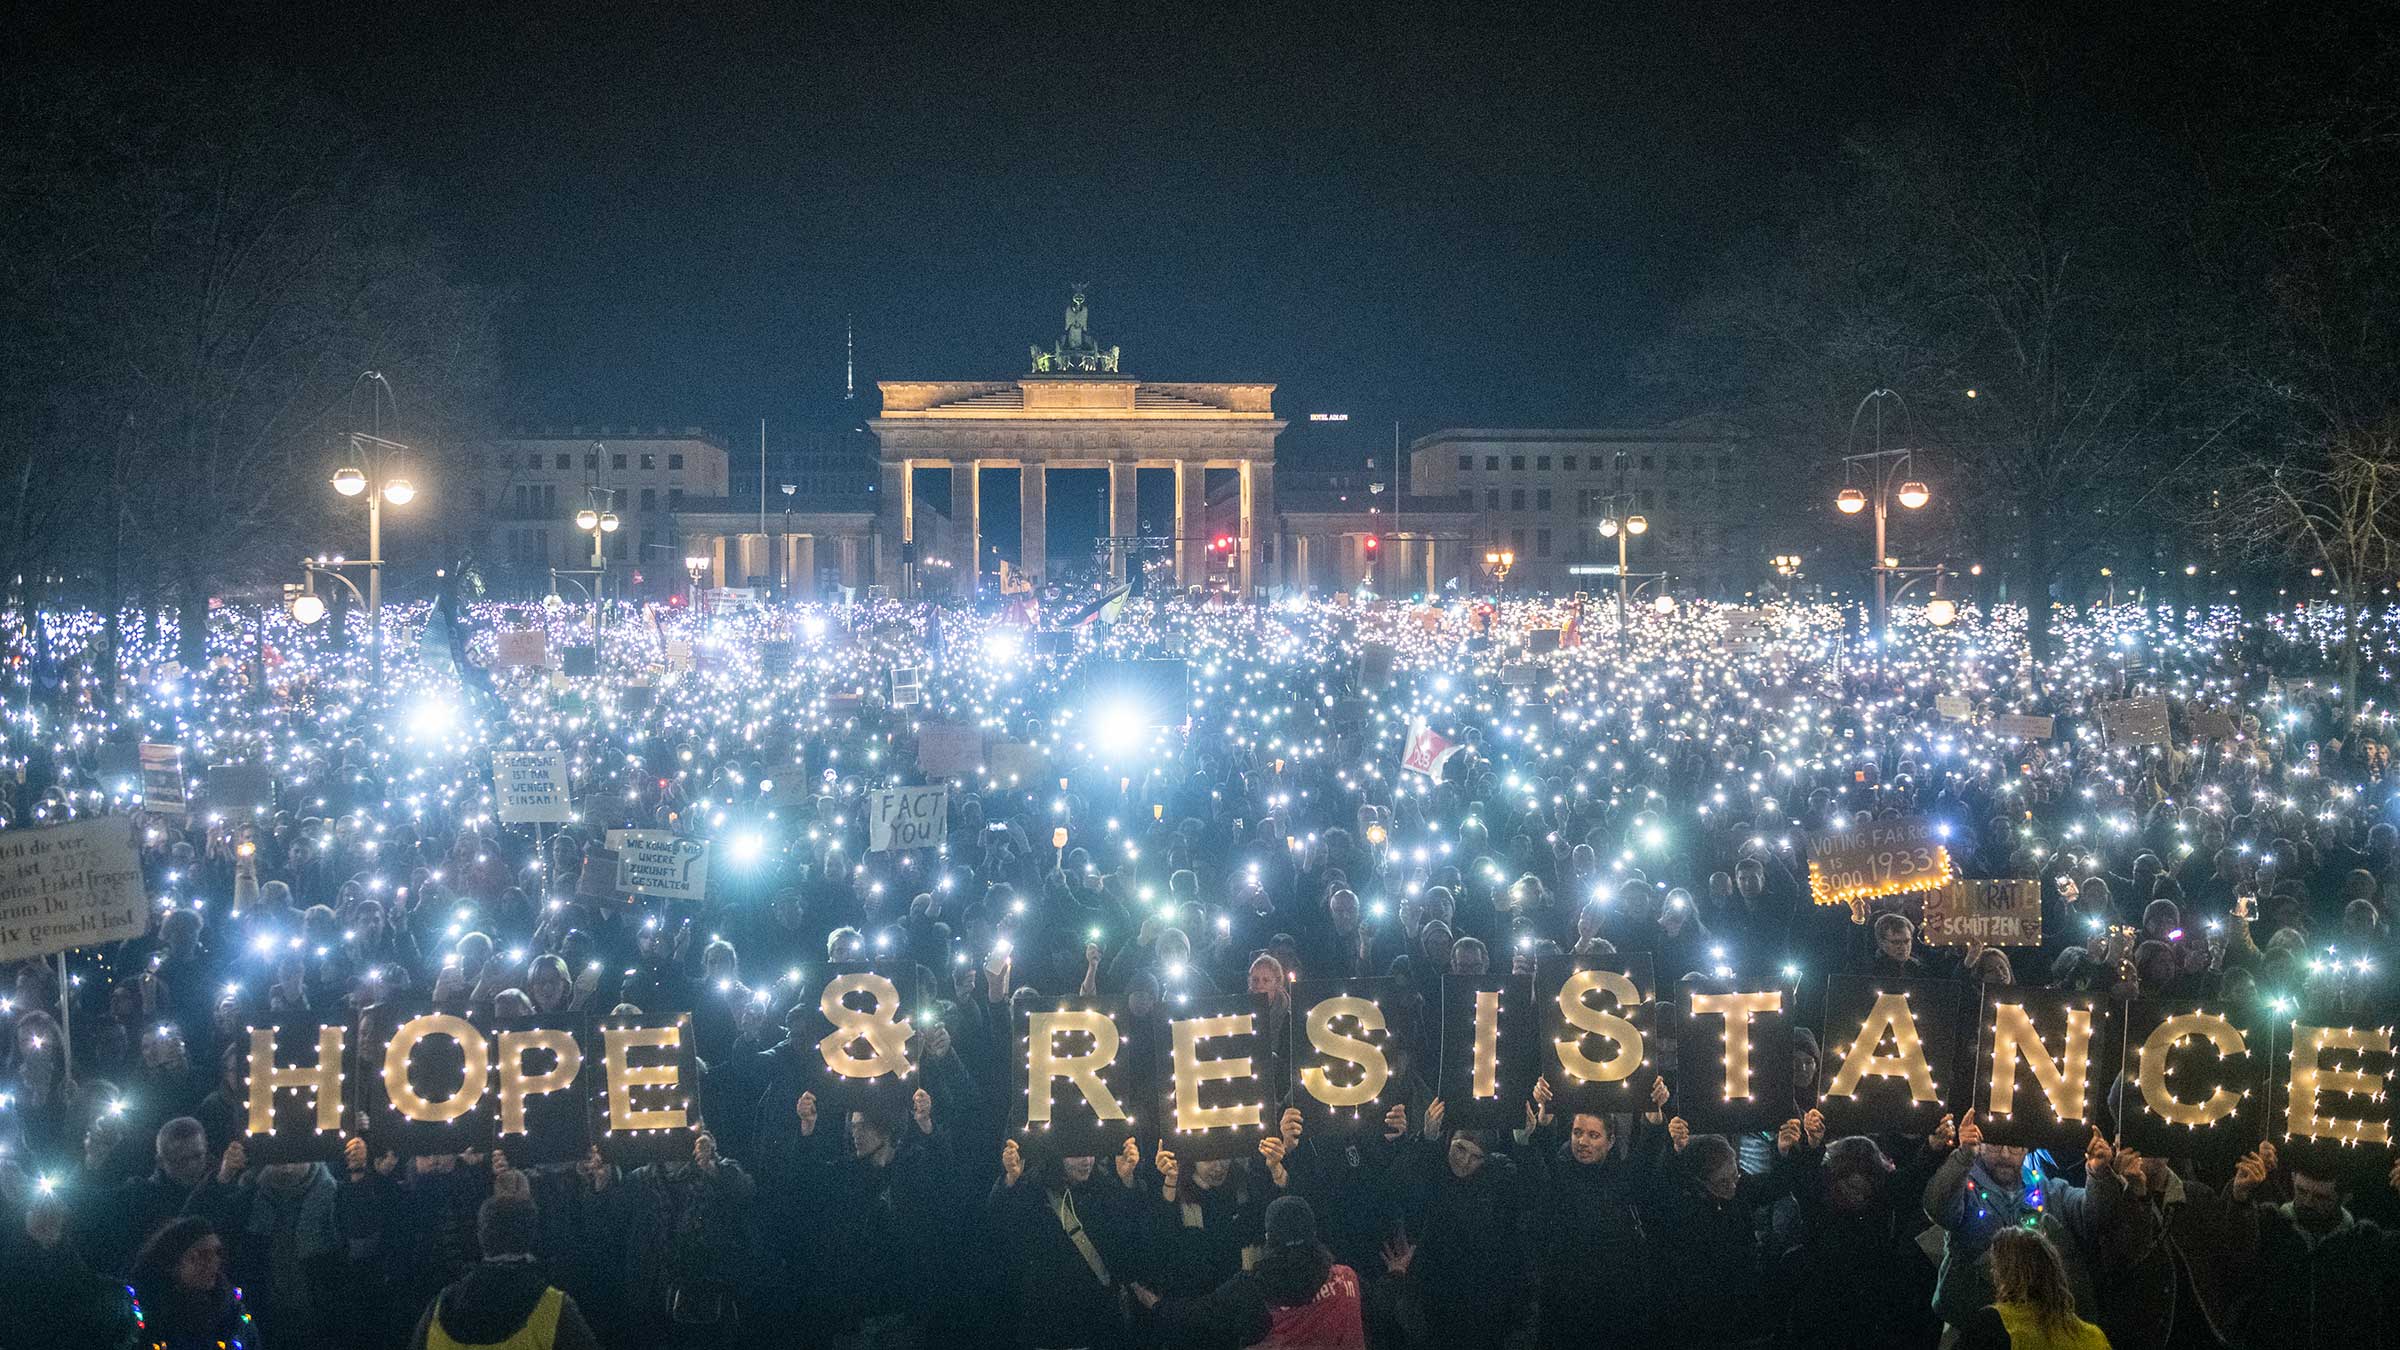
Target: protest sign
{"x":1220,"y":1085}
{"x":1734,"y":1051}
{"x":948,"y":750}
{"x":1375,"y":662}
{"x":1881,"y":857}
{"x":2023,"y":726}
{"x":427,"y":1081}
{"x":72,"y":885}
{"x":678,"y":656}
{"x":660,"y":863}
{"x":775,"y":657}
{"x":1889,"y":1050}
{"x":597,"y":878}
{"x":2005,"y":913}
{"x":1953,"y":707}
{"x":907,"y":817}
{"x":2211,"y":724}
{"x":521,"y":647}
{"x":1341,"y":1054}
{"x":1017,"y":762}
{"x":1077,"y":1084}
{"x":859,"y":1017}
{"x":1487,"y":1067}
{"x":531,"y":786}
{"x":2195,"y":1082}
{"x":2026,"y":1095}
{"x":1596,"y":1022}
{"x":908,"y":687}
{"x":237,"y":790}
{"x":2331,"y":1107}
{"x":645,"y":1106}
{"x":297,"y":1088}
{"x":2135,"y":721}
{"x":163,"y":788}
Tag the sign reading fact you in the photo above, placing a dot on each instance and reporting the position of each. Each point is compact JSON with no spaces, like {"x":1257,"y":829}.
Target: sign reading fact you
{"x":73,"y":885}
{"x":1878,"y":858}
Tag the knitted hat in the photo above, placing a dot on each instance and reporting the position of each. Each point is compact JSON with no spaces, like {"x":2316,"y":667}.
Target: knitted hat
{"x":1291,"y":1223}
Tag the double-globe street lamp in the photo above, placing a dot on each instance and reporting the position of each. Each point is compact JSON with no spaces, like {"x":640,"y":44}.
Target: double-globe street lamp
{"x":373,"y":472}
{"x":1623,"y":532}
{"x":1893,"y":474}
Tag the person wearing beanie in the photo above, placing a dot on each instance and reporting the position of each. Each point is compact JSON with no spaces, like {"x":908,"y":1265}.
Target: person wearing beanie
{"x":506,"y":1300}
{"x":1295,"y":1298}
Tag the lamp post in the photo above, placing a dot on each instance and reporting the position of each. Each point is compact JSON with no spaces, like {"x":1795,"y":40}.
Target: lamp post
{"x":600,"y":522}
{"x":1496,"y":563}
{"x":1891,"y":471}
{"x":373,"y":472}
{"x":1622,"y":532}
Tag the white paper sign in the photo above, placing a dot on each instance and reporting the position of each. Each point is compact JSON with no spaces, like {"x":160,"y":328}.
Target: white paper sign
{"x":73,"y":885}
{"x":660,"y":863}
{"x":531,"y":786}
{"x":909,"y":817}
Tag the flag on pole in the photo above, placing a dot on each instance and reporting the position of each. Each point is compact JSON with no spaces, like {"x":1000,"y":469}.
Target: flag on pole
{"x":1105,"y":609}
{"x":1427,"y":751}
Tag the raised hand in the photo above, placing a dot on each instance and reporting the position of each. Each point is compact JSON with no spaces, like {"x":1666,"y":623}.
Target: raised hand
{"x":1813,"y":1126}
{"x":1970,"y":1134}
{"x":1170,"y":1172}
{"x":229,"y":1167}
{"x":1678,"y":1133}
{"x":1271,"y":1149}
{"x":920,"y":1106}
{"x":2249,"y":1173}
{"x":808,"y":1114}
{"x":1945,"y":1135}
{"x":1289,"y":1126}
{"x":1398,"y":1251}
{"x":1012,"y":1163}
{"x":1537,"y":1113}
{"x":1658,"y":1100}
{"x":1395,"y":1121}
{"x":1129,"y":1159}
{"x":1433,"y":1119}
{"x":2097,"y":1156}
{"x":704,"y":1153}
{"x":1787,"y":1137}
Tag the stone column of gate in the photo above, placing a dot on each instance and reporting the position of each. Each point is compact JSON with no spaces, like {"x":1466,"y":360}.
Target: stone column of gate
{"x":1191,"y":522}
{"x":1033,"y":496}
{"x":1258,"y":526}
{"x":804,"y":566}
{"x":892,"y":525}
{"x":1124,"y":513}
{"x":966,"y":516}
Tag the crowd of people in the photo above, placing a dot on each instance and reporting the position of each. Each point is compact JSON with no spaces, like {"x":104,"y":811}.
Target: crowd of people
{"x":1646,"y":792}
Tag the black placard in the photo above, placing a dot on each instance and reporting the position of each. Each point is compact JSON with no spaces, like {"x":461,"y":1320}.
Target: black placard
{"x":436,"y":1071}
{"x":2193,"y":1069}
{"x":2324,"y":1152}
{"x":1717,"y":1091}
{"x":1075,"y":1126}
{"x":297,"y":1136}
{"x":1572,"y":1090}
{"x":557,"y":1124}
{"x":1336,"y":1073}
{"x":1508,"y":1060}
{"x":680,"y":1096}
{"x":1912,"y":1023}
{"x":1246,"y":1093}
{"x":841,"y":1092}
{"x":2032,"y":1120}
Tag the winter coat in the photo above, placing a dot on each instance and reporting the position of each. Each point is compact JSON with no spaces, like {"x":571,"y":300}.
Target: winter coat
{"x":1971,"y":1205}
{"x":2309,"y":1291}
{"x":495,"y":1301}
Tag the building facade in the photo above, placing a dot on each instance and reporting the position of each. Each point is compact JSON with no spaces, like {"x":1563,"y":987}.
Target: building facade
{"x":1542,"y":493}
{"x":1347,"y":531}
{"x":532,"y":486}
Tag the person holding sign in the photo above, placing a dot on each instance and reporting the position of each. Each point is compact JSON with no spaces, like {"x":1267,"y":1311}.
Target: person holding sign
{"x":1463,"y":1207}
{"x":1983,"y":1189}
{"x":1589,"y":1233}
{"x":1065,"y":1230}
{"x":890,"y":1175}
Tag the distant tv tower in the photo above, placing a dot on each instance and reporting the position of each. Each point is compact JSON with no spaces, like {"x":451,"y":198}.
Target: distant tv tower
{"x":849,"y":360}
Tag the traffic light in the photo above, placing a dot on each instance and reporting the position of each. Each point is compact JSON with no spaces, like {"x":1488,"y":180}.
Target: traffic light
{"x":1374,"y":544}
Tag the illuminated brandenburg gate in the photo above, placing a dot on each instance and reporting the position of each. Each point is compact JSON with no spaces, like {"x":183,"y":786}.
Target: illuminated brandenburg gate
{"x":1037,"y":424}
{"x":1075,"y":411}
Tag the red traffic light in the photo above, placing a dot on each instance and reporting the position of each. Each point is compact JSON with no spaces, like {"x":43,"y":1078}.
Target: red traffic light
{"x":1374,"y":543}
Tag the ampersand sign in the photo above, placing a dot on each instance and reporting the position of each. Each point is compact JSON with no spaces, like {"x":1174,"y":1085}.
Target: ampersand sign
{"x":879,"y":1031}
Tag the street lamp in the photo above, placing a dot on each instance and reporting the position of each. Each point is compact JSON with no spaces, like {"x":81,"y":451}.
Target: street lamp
{"x":1888,"y":467}
{"x":379,"y":457}
{"x":1496,"y":562}
{"x":1621,"y":531}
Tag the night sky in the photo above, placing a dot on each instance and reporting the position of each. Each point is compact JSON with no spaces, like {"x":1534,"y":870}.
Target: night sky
{"x":1442,"y":221}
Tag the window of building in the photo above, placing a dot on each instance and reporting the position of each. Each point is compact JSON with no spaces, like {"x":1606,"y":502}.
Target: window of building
{"x":1516,"y":541}
{"x":1491,"y":499}
{"x":1541,"y":543}
{"x":1568,"y":463}
{"x":649,"y":499}
{"x":565,"y":461}
{"x":649,"y":461}
{"x":1465,"y":462}
{"x":524,"y":499}
{"x":533,"y":461}
{"x":617,"y":462}
{"x":1516,"y":462}
{"x":674,"y":461}
{"x":1516,"y":499}
{"x":1541,"y":499}
{"x":1542,"y":462}
{"x":674,"y":499}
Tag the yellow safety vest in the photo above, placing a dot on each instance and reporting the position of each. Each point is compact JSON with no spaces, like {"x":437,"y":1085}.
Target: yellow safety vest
{"x":2025,"y":1331}
{"x":540,"y":1331}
